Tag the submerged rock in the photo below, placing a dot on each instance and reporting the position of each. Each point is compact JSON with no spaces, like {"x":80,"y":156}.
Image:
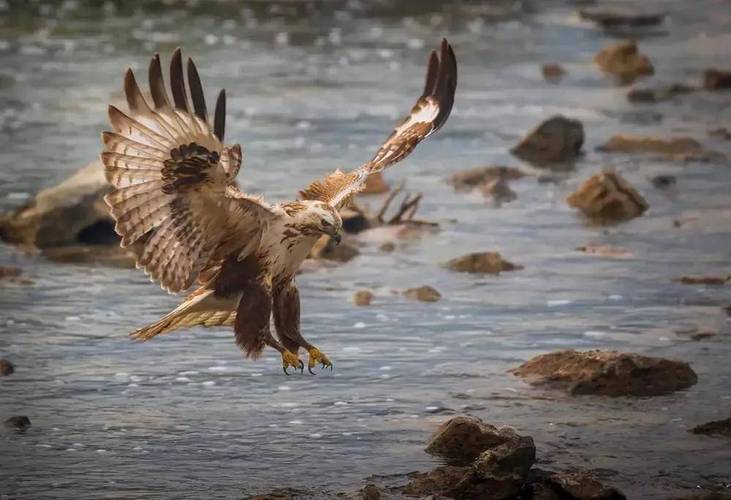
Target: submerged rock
{"x":624,"y":61}
{"x":664,"y":181}
{"x":476,"y":177}
{"x":6,"y":368}
{"x":499,"y":191}
{"x":608,"y":197}
{"x":617,"y":18}
{"x":715,"y":428}
{"x":423,"y":293}
{"x":460,"y":440}
{"x":674,"y":146}
{"x":568,"y":485}
{"x":553,"y":72}
{"x":558,"y":139}
{"x":482,"y":262}
{"x":605,"y":251}
{"x":703,"y":280}
{"x":716,"y":79}
{"x":363,"y":298}
{"x":607,"y":373}
{"x":13,"y":275}
{"x":658,"y":94}
{"x":19,"y":423}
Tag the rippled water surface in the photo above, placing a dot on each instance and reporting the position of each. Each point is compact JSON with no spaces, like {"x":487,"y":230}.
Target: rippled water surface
{"x":315,"y":86}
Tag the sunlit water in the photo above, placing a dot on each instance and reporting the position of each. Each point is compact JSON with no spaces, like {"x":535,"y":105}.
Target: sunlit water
{"x":318,"y":87}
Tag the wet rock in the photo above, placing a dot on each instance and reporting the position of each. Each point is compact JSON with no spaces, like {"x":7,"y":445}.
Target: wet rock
{"x":499,"y":191}
{"x":476,"y":177}
{"x":621,"y":18}
{"x":664,"y":181}
{"x":19,"y":423}
{"x":387,"y":247}
{"x":363,"y":298}
{"x":702,"y":335}
{"x":673,"y":147}
{"x":658,"y":94}
{"x":624,"y":61}
{"x":703,"y":280}
{"x":423,"y":294}
{"x":482,"y":262}
{"x":553,"y":72}
{"x":6,"y":368}
{"x":13,"y":275}
{"x":558,"y":139}
{"x":70,"y":213}
{"x":605,"y":251}
{"x":716,"y":79}
{"x":608,"y":197}
{"x":607,"y":373}
{"x":443,"y":481}
{"x":721,"y":133}
{"x":715,"y":428}
{"x":371,"y":492}
{"x":502,"y":470}
{"x":568,"y":485}
{"x":460,"y":440}
{"x":375,"y":184}
{"x":327,"y":249}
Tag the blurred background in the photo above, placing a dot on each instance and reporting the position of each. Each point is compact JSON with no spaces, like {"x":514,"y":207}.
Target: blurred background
{"x":315,"y":85}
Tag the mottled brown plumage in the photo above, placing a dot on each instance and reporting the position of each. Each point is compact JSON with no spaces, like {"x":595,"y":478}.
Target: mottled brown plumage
{"x":176,"y":203}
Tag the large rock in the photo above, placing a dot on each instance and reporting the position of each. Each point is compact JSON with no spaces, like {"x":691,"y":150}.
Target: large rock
{"x":715,"y":428}
{"x":482,"y":262}
{"x":568,"y":485}
{"x":476,"y":177}
{"x":444,"y":481}
{"x":608,"y":197}
{"x":558,"y":139}
{"x":607,"y":373}
{"x":460,"y":440}
{"x":501,"y":471}
{"x":621,"y":18}
{"x":716,"y":79}
{"x":624,"y":61}
{"x":6,"y":368}
{"x":70,"y":213}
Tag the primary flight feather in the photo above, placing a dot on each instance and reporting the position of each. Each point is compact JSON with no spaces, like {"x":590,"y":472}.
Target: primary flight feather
{"x":177,"y":205}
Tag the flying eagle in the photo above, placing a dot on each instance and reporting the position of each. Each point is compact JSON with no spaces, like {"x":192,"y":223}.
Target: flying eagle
{"x":178,"y":206}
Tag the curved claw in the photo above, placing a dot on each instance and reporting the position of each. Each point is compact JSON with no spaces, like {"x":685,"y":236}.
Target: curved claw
{"x":290,"y":359}
{"x":317,"y":357}
{"x":309,"y":369}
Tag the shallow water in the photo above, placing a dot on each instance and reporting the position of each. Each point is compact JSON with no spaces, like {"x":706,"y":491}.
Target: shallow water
{"x":317,"y":87}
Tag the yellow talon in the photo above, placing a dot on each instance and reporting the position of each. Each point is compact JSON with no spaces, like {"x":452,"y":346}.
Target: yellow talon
{"x":316,"y":356}
{"x":290,"y":359}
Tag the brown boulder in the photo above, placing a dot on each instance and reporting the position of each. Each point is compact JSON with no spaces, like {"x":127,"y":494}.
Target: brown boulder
{"x":658,"y":94}
{"x":501,"y":471}
{"x":445,"y":480}
{"x":624,"y":61}
{"x":568,"y":485}
{"x":19,"y":423}
{"x":607,"y":197}
{"x":475,"y":177}
{"x":482,"y":262}
{"x":6,"y":368}
{"x":619,"y":18}
{"x":715,"y":428}
{"x":703,"y":280}
{"x":607,"y":373}
{"x":716,"y":79}
{"x":553,"y":72}
{"x":363,"y":298}
{"x":672,"y":147}
{"x":558,"y":139}
{"x":460,"y":440}
{"x":423,"y":294}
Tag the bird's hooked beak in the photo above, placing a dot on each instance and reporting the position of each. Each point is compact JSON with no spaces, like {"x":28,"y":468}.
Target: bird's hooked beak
{"x":337,"y":235}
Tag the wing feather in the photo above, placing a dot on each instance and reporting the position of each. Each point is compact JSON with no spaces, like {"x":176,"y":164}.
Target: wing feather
{"x":426,"y":117}
{"x":174,"y":179}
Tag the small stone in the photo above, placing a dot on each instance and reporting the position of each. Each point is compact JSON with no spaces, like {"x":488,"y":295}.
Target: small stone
{"x":363,"y":298}
{"x":558,"y":139}
{"x":499,"y":191}
{"x":716,"y":79}
{"x":20,"y":423}
{"x":624,"y":61}
{"x":475,"y":177}
{"x":715,"y":428}
{"x":375,"y":184}
{"x":482,"y":262}
{"x":13,"y":275}
{"x":553,"y":72}
{"x":423,"y":294}
{"x":664,"y":181}
{"x":617,"y":18}
{"x":608,"y":197}
{"x":460,"y":440}
{"x":6,"y":368}
{"x":607,"y":373}
{"x":703,"y":280}
{"x":702,"y":335}
{"x":387,"y":247}
{"x":721,"y":133}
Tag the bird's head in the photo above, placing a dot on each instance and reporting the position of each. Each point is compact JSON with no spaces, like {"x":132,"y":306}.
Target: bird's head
{"x":320,"y":217}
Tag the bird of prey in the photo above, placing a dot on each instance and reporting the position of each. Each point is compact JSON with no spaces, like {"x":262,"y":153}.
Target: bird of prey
{"x":178,"y":206}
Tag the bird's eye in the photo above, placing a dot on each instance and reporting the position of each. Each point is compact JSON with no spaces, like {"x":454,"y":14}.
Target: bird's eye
{"x":326,"y":223}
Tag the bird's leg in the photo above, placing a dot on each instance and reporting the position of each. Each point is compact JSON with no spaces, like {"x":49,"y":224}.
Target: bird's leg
{"x":289,"y":357}
{"x":287,"y":322}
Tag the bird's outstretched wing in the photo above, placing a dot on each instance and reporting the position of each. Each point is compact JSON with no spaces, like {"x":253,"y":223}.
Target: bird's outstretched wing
{"x":428,"y":114}
{"x":175,"y":190}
